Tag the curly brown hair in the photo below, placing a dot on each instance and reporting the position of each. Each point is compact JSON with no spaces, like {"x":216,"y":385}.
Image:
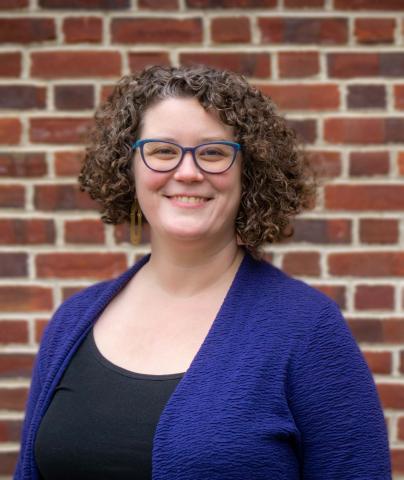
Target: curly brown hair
{"x":277,"y":182}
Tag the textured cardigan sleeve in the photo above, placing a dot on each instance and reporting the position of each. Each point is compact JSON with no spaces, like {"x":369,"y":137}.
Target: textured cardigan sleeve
{"x":335,"y":404}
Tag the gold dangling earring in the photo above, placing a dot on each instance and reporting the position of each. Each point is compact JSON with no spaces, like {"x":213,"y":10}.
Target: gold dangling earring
{"x":135,"y":229}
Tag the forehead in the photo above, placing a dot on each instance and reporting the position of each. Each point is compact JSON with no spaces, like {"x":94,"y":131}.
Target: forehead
{"x":183,"y":115}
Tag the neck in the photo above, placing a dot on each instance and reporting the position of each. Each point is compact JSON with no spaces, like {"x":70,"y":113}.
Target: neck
{"x":192,"y":270}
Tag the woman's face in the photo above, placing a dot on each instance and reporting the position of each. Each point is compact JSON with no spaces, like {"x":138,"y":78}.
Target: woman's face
{"x":187,"y":203}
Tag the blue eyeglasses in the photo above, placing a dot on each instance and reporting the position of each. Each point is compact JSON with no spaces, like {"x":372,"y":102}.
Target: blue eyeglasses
{"x":163,"y":156}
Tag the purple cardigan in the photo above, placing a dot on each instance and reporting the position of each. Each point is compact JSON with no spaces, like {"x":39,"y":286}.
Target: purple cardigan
{"x":279,"y":389}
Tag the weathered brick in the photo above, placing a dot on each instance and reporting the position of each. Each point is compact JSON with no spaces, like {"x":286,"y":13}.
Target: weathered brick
{"x":320,"y":231}
{"x":249,"y":64}
{"x":84,"y":231}
{"x":316,"y":30}
{"x":82,"y":29}
{"x":378,"y":230}
{"x":360,"y":64}
{"x":306,"y":130}
{"x":298,"y":64}
{"x":12,"y":196}
{"x":13,"y":265}
{"x":355,"y":130}
{"x":86,"y":4}
{"x":367,"y":264}
{"x":158,"y":4}
{"x":16,"y":365}
{"x":374,"y":30}
{"x":80,"y":265}
{"x":368,"y":163}
{"x":68,"y":163}
{"x":374,"y":297}
{"x":10,"y":131}
{"x":27,"y":30}
{"x":156,"y":30}
{"x":74,"y":97}
{"x":231,"y":30}
{"x":18,"y":231}
{"x":302,"y":263}
{"x":13,"y":331}
{"x":366,"y":96}
{"x":368,"y":5}
{"x":59,"y":130}
{"x":364,"y":197}
{"x":62,"y":197}
{"x":303,"y":97}
{"x":140,"y":60}
{"x":74,"y":64}
{"x":16,"y":164}
{"x":326,"y":164}
{"x":22,"y":97}
{"x":10,"y":64}
{"x":231,"y":3}
{"x":399,"y":97}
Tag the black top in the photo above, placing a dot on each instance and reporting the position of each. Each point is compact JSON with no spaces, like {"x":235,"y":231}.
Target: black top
{"x":101,"y":421}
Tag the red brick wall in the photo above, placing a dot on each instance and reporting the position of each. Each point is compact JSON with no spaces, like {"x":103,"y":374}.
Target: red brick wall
{"x":335,"y":67}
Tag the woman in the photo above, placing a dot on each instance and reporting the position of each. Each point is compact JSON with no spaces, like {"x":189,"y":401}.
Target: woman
{"x":201,"y":361}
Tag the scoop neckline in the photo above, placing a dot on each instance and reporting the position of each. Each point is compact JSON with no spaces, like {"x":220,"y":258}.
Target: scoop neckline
{"x":123,"y":371}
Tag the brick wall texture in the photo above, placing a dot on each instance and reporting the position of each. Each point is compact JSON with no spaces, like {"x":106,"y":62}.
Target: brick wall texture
{"x":334,"y":67}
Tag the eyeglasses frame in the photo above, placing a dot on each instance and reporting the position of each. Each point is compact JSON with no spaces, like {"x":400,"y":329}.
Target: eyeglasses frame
{"x":140,"y":143}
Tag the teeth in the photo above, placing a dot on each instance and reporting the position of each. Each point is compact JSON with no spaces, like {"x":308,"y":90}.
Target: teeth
{"x":190,"y":199}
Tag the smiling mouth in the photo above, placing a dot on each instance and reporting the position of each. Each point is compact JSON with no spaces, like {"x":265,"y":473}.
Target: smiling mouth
{"x":191,"y":199}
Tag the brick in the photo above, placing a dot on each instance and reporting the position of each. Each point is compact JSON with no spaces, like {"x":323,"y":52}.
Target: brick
{"x":140,"y":60}
{"x":400,"y":162}
{"x":76,"y":64}
{"x":13,"y":398}
{"x":374,"y":297}
{"x":82,"y":29}
{"x":27,"y":30}
{"x":368,"y":163}
{"x":9,"y":4}
{"x":364,"y":197}
{"x":350,"y":65}
{"x":13,"y":265}
{"x":302,"y":263}
{"x":378,"y":231}
{"x":316,"y":30}
{"x":10,"y":64}
{"x":62,"y":197}
{"x":392,"y":64}
{"x":366,"y":96}
{"x":16,"y":365}
{"x":17,"y":231}
{"x":86,"y":4}
{"x":303,"y":97}
{"x":249,"y":64}
{"x":159,"y":4}
{"x":68,"y":163}
{"x":400,"y":429}
{"x":67,"y":292}
{"x":156,"y":30}
{"x":74,"y":97}
{"x":355,"y":130}
{"x":367,"y":264}
{"x":20,"y":165}
{"x":298,"y":64}
{"x":379,"y":362}
{"x":59,"y":130}
{"x":319,"y":231}
{"x":399,"y":97}
{"x":13,"y":331}
{"x":122,"y":234}
{"x":84,"y":231}
{"x":306,"y":130}
{"x":367,"y":330}
{"x":8,"y":462}
{"x":231,"y":30}
{"x":80,"y":265}
{"x":326,"y":164}
{"x":368,"y":5}
{"x":303,"y":3}
{"x":39,"y":329}
{"x":22,"y":97}
{"x":10,"y":131}
{"x":374,"y":30}
{"x":10,"y":430}
{"x":394,"y":128}
{"x":231,"y":3}
{"x":391,"y":395}
{"x":12,"y":196}
{"x":335,"y":292}
{"x":106,"y":91}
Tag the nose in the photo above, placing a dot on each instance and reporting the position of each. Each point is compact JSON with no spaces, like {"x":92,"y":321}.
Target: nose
{"x":187,"y":170}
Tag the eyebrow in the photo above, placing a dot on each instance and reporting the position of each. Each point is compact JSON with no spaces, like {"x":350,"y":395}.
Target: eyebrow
{"x":201,"y":140}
